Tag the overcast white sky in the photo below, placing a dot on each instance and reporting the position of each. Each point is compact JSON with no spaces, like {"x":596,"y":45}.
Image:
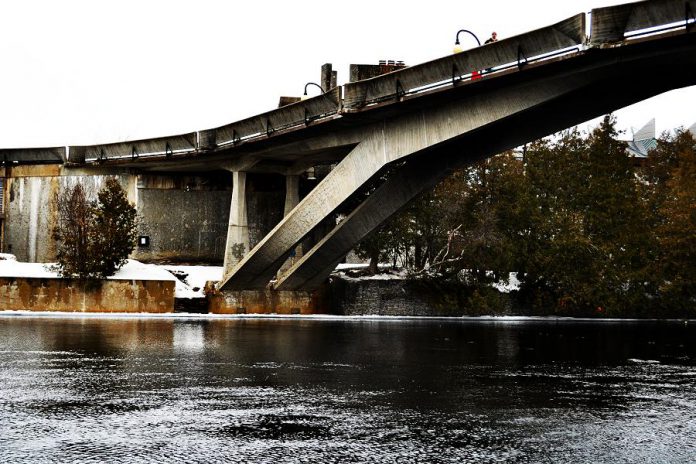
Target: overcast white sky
{"x":85,"y":71}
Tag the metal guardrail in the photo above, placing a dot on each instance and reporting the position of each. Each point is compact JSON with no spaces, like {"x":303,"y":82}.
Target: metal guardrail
{"x":608,"y":25}
{"x":33,"y":155}
{"x":567,"y":33}
{"x":167,"y":146}
{"x":296,"y":114}
{"x":265,"y":124}
{"x":614,"y":23}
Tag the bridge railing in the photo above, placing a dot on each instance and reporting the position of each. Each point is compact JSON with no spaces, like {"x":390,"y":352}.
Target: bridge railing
{"x":616,"y":23}
{"x":562,"y":35}
{"x":608,"y":25}
{"x":162,"y":146}
{"x":33,"y":155}
{"x":265,"y":124}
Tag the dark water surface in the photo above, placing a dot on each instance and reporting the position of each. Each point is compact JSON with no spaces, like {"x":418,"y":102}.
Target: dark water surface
{"x":275,"y":391}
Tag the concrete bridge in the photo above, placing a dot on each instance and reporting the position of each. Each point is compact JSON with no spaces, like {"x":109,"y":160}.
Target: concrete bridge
{"x":398,"y":134}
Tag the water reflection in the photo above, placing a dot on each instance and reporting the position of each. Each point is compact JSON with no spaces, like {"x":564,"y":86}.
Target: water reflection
{"x":141,"y":390}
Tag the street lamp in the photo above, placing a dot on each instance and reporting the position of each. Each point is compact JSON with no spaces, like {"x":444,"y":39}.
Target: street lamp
{"x":458,"y":48}
{"x":305,"y":96}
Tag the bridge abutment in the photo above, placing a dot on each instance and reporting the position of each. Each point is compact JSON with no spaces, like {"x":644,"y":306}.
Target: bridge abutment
{"x":269,"y":301}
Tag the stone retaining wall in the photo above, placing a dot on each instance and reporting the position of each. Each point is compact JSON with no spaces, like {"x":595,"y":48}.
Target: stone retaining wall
{"x":404,"y":297}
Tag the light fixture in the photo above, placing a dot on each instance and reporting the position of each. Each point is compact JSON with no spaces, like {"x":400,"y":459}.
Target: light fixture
{"x":305,"y":96}
{"x":311,"y":175}
{"x":457,"y":47}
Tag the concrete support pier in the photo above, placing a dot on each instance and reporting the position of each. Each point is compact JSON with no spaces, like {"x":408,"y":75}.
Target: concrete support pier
{"x":238,"y":230}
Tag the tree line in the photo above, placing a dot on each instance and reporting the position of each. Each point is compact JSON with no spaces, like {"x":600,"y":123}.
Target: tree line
{"x":585,"y":229}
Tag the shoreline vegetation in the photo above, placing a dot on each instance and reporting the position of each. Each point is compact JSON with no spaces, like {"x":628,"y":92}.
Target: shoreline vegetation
{"x":587,"y":229}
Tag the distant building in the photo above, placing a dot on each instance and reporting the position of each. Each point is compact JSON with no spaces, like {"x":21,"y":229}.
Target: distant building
{"x":643,"y":141}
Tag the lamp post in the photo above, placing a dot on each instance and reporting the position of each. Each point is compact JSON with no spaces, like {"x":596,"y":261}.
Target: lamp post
{"x":457,"y":47}
{"x":305,"y":96}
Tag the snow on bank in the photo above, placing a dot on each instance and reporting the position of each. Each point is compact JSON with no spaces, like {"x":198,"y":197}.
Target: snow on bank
{"x":10,"y":267}
{"x":191,"y":280}
{"x":132,"y":270}
{"x":344,"y":270}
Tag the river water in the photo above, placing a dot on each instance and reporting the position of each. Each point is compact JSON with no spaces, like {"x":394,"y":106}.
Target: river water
{"x":306,"y":390}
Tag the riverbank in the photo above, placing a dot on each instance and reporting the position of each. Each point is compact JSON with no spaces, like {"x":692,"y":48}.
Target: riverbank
{"x":183,"y":316}
{"x":171,"y":289}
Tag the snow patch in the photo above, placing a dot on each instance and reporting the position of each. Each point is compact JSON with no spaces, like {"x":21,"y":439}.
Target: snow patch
{"x":190,"y":282}
{"x":512,"y":284}
{"x":135,"y":270}
{"x":14,"y":268}
{"x":132,"y":270}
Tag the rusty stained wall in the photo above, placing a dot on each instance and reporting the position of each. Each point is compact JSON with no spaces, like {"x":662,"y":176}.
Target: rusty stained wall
{"x":185,"y":216}
{"x":32,"y":294}
{"x":30,"y":208}
{"x":269,"y":302}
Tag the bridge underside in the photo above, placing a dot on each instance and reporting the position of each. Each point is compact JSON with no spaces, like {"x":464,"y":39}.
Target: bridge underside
{"x":423,"y":142}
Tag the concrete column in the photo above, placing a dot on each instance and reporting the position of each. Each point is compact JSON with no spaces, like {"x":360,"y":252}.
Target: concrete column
{"x":328,"y":77}
{"x":292,"y":198}
{"x":238,"y":229}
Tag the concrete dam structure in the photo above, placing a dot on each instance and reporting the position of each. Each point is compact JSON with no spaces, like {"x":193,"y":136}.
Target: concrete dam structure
{"x":265,"y":192}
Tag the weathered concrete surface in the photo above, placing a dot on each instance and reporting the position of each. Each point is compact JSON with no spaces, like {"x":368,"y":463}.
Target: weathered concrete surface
{"x":265,"y":201}
{"x":32,"y":294}
{"x":30,"y":214}
{"x":237,"y":243}
{"x":268,"y":302}
{"x":611,"y":23}
{"x":185,"y":216}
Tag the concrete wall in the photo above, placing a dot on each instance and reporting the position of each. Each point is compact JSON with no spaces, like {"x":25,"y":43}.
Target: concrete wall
{"x":30,"y":208}
{"x":184,"y":216}
{"x":33,"y":294}
{"x":265,"y":203}
{"x":269,"y":302}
